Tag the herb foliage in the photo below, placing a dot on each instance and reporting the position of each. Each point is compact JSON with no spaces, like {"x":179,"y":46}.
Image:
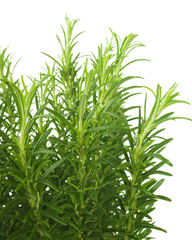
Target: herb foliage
{"x":77,"y":161}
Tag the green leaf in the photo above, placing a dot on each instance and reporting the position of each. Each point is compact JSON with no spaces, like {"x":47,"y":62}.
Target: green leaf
{"x":150,"y":226}
{"x":145,"y":233}
{"x":124,"y":218}
{"x":107,"y":127}
{"x":49,"y":184}
{"x":42,"y":139}
{"x":30,"y":96}
{"x":43,"y":151}
{"x":160,"y":157}
{"x":19,"y":99}
{"x":53,"y":207}
{"x":164,"y":198}
{"x":5,"y":137}
{"x":157,"y":185}
{"x":124,"y":166}
{"x":118,"y":83}
{"x":53,"y":167}
{"x":163,"y":118}
{"x":52,"y":58}
{"x":146,"y":191}
{"x":61,"y":118}
{"x":53,"y":216}
{"x":7,"y":145}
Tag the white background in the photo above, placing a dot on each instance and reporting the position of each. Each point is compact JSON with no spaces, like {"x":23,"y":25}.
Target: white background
{"x":164,"y":26}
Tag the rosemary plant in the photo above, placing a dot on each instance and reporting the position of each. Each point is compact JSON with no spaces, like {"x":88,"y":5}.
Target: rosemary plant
{"x":77,"y":161}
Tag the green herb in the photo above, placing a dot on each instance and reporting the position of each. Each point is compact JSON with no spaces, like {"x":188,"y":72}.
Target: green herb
{"x":77,"y":161}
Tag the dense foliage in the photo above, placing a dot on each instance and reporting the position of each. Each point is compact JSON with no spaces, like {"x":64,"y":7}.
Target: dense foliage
{"x":77,"y":160}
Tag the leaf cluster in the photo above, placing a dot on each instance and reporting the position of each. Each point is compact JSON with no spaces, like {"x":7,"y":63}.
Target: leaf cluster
{"x":77,"y":161}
